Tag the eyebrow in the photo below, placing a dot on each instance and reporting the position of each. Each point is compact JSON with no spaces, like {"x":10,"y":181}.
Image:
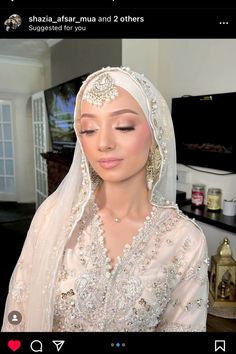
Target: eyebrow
{"x":123,"y":111}
{"x":113,"y":114}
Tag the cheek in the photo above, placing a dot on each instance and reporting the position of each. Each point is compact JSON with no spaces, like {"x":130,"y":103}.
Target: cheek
{"x":140,"y":142}
{"x":87,"y":147}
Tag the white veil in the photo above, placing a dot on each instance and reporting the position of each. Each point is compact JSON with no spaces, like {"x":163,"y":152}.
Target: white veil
{"x":31,"y":290}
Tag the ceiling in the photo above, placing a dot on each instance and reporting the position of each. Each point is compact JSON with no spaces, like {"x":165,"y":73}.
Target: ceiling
{"x":26,"y":48}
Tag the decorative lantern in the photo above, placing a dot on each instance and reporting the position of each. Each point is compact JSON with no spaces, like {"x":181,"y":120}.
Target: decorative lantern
{"x":223,"y":277}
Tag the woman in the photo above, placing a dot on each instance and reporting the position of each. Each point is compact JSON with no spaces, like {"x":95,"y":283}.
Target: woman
{"x":109,"y":250}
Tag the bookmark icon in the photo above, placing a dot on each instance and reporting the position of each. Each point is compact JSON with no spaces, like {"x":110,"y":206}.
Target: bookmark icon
{"x":58,"y":344}
{"x":220,"y":344}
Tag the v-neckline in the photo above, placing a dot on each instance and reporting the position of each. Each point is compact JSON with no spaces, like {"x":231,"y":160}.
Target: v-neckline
{"x":128,"y":247}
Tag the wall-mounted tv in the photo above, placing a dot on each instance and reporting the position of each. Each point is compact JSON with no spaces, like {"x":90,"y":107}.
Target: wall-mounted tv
{"x":204,"y":130}
{"x":60,"y":104}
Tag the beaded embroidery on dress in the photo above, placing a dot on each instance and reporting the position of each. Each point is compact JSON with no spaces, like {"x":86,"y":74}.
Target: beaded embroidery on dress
{"x":88,"y":292}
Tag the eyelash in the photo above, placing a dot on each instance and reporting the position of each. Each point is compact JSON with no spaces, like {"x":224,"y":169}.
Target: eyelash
{"x":87,"y":132}
{"x":90,"y":131}
{"x":127,"y":129}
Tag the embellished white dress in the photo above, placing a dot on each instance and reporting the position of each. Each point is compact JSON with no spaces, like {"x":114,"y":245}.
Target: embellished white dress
{"x":159,"y":284}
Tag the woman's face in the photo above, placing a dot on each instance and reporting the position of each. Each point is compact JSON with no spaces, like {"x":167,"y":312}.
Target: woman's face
{"x":116,"y":137}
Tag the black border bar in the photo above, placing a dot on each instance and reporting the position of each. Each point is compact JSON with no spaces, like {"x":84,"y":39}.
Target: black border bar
{"x":122,"y":23}
{"x":177,"y":342}
{"x":122,"y":4}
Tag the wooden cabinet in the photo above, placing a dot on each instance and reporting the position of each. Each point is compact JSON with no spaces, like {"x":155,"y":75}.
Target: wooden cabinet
{"x":58,"y":166}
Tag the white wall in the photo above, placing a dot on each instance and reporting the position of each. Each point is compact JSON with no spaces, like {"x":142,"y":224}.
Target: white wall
{"x":142,"y":55}
{"x":71,"y":58}
{"x":20,"y":78}
{"x":196,"y":66}
{"x":189,"y":66}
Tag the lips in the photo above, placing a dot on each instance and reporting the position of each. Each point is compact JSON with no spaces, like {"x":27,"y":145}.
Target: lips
{"x":109,"y":162}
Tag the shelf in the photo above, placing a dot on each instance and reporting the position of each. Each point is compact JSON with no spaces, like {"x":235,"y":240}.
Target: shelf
{"x":217,"y":219}
{"x":219,"y":324}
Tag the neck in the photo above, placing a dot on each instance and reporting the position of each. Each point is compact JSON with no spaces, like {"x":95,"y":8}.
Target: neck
{"x":123,"y":198}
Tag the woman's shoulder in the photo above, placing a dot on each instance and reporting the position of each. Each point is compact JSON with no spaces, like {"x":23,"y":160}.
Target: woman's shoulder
{"x":184,"y":239}
{"x":182,"y":224}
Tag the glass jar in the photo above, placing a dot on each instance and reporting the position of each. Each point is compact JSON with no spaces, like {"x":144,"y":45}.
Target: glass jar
{"x":214,"y":199}
{"x":198,"y":194}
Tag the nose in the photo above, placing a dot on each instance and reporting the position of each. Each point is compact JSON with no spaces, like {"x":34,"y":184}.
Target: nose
{"x":106,"y":141}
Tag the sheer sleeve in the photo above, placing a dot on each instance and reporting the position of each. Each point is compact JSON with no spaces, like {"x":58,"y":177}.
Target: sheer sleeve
{"x":18,"y":292}
{"x":23,"y":279}
{"x":187,"y":308}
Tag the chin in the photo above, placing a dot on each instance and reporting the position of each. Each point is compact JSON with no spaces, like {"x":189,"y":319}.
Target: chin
{"x":111,"y":179}
{"x":115,"y":178}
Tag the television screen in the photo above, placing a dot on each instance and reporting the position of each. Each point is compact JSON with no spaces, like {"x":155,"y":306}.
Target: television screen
{"x":204,"y":130}
{"x":60,"y":104}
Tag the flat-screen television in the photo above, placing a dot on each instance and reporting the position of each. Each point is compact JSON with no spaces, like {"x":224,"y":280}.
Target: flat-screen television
{"x":205,"y":130}
{"x":60,"y":104}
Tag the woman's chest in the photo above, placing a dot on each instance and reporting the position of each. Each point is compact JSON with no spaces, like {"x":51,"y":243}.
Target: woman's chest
{"x":125,"y":297}
{"x":131,"y":297}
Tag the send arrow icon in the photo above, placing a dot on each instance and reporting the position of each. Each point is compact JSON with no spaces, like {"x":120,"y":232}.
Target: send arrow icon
{"x":58,"y":344}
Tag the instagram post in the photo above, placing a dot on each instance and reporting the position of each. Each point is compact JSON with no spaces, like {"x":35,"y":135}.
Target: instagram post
{"x":117,"y":178}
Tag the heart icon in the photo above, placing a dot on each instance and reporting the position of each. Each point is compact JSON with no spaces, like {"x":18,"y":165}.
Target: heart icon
{"x":14,"y":344}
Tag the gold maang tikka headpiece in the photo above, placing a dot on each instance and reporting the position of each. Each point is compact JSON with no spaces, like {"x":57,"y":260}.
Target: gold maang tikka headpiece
{"x":102,"y":90}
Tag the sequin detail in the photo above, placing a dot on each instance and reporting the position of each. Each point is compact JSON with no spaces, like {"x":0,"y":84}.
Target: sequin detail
{"x":130,"y":297}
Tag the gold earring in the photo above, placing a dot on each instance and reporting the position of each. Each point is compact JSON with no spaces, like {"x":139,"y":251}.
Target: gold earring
{"x":153,"y":166}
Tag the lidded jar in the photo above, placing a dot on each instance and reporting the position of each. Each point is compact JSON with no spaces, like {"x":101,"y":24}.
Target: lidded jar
{"x":198,"y":194}
{"x":214,"y":199}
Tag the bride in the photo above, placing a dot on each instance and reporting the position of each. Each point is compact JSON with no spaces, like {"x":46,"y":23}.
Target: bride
{"x":109,"y":250}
